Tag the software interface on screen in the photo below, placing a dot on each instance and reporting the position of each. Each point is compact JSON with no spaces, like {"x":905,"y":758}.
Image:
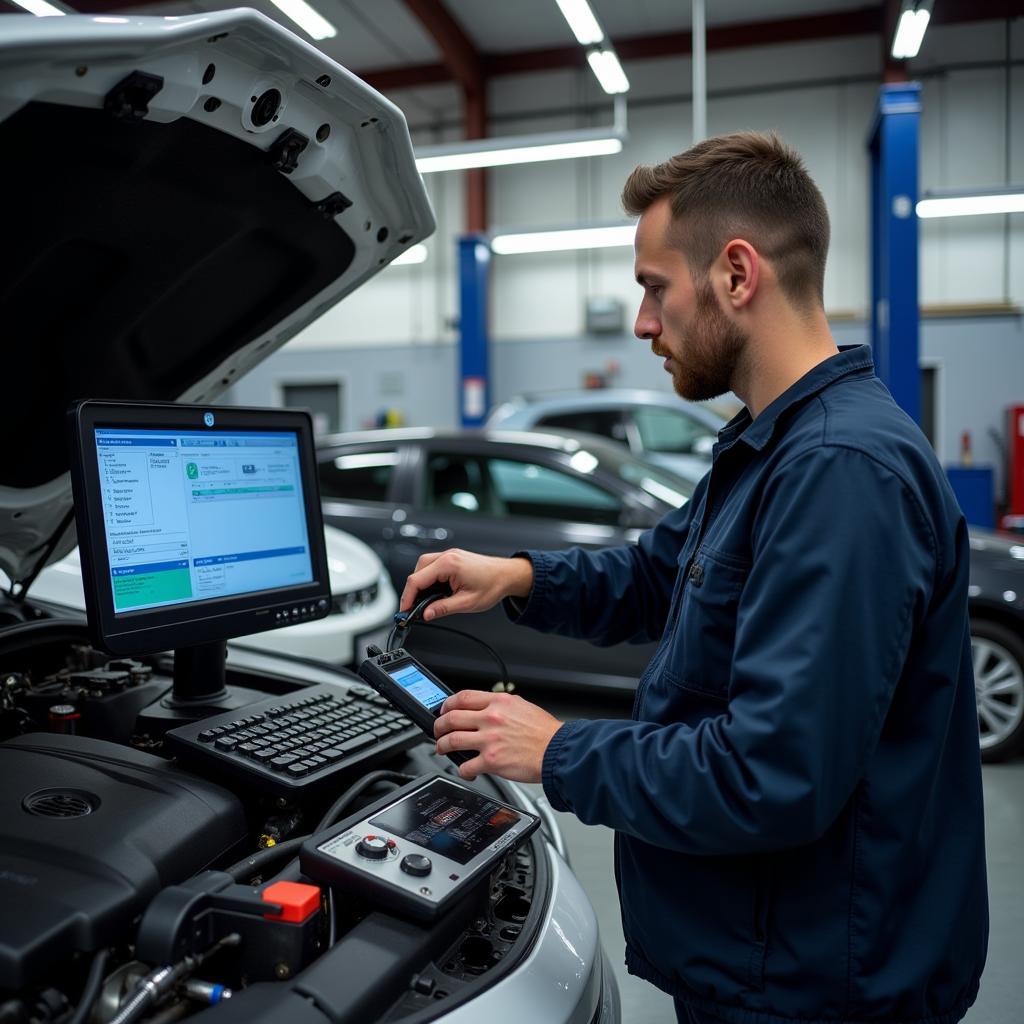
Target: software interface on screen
{"x":192,"y":516}
{"x":418,"y":686}
{"x":448,"y":820}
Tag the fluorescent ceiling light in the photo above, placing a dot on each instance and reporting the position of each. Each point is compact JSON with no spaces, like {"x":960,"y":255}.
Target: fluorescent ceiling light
{"x":581,"y":20}
{"x":965,"y":206}
{"x":314,"y":24}
{"x":522,"y":149}
{"x":40,"y":8}
{"x":910,"y":32}
{"x":601,"y":237}
{"x":605,"y":65}
{"x":414,"y":254}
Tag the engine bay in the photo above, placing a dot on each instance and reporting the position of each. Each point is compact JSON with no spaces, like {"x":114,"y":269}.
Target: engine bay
{"x":141,"y":886}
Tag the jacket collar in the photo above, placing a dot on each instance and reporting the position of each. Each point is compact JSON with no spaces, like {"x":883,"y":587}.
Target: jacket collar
{"x":850,"y":360}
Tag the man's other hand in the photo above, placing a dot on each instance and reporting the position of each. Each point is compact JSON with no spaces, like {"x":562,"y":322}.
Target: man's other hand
{"x":478,"y":582}
{"x":510,"y":734}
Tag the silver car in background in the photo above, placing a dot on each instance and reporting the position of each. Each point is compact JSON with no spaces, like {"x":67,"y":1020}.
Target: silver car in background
{"x":654,"y":425}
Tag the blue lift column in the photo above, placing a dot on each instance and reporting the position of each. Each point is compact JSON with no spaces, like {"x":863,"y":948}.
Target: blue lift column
{"x":474,"y":356}
{"x":894,"y":250}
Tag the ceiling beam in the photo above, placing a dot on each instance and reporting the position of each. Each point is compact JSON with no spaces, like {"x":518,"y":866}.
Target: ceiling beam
{"x":860,"y":21}
{"x":463,"y":61}
{"x":461,"y":57}
{"x":893,"y":70}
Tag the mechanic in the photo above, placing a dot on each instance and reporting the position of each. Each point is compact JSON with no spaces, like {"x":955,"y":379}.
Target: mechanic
{"x":797,"y":800}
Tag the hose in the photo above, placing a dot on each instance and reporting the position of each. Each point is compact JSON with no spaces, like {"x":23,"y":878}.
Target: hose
{"x":91,"y":991}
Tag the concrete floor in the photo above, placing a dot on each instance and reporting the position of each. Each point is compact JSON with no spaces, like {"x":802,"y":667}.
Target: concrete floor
{"x":1002,"y":988}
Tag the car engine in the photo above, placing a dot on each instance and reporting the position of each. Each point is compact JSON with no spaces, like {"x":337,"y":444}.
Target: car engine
{"x":139,"y":888}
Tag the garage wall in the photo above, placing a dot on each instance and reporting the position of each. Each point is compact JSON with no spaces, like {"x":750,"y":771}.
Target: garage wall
{"x":819,"y":95}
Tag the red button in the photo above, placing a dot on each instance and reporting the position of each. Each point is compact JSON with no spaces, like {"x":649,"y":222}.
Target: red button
{"x":391,"y":844}
{"x":297,"y":901}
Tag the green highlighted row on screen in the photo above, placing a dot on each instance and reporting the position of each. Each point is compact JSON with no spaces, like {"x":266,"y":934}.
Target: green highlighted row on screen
{"x":211,"y":491}
{"x":151,"y":587}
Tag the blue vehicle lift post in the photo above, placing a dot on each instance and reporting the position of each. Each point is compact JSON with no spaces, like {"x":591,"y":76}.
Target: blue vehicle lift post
{"x":474,"y":340}
{"x":895,"y":321}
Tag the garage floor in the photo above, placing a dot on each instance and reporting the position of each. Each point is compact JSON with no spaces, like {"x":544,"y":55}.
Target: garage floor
{"x":1002,"y":991}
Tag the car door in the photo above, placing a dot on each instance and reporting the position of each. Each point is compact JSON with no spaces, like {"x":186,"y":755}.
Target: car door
{"x":496,"y":502}
{"x":359,"y":486}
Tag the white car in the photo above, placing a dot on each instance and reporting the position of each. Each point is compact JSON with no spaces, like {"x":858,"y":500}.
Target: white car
{"x":363,"y":604}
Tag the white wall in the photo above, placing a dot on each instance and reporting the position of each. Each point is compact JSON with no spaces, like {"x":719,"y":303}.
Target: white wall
{"x":818,"y":95}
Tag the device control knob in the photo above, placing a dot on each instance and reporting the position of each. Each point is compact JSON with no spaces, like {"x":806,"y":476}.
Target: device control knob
{"x":416,"y":864}
{"x":373,"y":847}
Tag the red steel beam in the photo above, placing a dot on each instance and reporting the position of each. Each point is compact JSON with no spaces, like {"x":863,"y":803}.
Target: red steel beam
{"x":892,"y":70}
{"x":457,"y":49}
{"x":463,"y":60}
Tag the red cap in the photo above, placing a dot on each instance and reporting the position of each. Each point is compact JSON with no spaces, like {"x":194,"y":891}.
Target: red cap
{"x":297,"y":901}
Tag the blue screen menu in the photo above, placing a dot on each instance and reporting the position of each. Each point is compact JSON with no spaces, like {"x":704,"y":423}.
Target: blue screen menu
{"x":193,"y":515}
{"x":418,"y":686}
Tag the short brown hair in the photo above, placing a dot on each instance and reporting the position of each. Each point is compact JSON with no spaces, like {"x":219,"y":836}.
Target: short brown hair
{"x":748,"y":185}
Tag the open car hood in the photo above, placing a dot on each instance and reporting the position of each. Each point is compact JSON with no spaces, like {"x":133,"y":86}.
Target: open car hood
{"x":183,"y":196}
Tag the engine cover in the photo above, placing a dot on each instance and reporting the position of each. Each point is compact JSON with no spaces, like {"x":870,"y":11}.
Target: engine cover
{"x":90,"y":832}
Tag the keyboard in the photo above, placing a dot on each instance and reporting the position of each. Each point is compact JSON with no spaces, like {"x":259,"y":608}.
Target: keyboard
{"x":288,"y":743}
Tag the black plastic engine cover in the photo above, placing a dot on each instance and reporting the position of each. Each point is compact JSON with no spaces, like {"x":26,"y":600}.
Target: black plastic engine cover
{"x":90,"y":832}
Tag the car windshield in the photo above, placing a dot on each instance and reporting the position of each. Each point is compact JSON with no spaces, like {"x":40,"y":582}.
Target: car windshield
{"x":666,"y":487}
{"x":670,"y":432}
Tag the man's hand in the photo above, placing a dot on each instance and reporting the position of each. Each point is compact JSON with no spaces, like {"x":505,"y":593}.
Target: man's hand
{"x":478,"y":582}
{"x":510,"y":734}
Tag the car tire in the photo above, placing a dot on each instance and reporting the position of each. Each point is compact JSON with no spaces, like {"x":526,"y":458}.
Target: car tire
{"x":998,"y":656}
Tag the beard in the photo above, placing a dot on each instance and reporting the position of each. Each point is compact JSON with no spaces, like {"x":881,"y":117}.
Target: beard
{"x":713,"y":348}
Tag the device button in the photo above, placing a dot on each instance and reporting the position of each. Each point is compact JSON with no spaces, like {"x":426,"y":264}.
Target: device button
{"x":425,"y":986}
{"x":226,"y":743}
{"x":373,"y":847}
{"x":416,"y":864}
{"x":207,"y":735}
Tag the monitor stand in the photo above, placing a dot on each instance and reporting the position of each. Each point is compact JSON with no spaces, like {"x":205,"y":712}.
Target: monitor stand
{"x":199,"y":690}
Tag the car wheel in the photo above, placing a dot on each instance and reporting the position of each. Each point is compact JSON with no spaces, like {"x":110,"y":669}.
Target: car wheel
{"x":998,"y":656}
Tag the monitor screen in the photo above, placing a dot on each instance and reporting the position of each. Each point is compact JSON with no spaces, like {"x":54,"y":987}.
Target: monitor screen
{"x":196,"y":524}
{"x":190,"y":517}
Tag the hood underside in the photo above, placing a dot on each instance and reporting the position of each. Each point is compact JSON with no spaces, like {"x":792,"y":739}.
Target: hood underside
{"x":184,"y":195}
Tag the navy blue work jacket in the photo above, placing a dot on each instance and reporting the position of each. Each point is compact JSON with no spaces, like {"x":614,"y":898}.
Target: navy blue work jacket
{"x":797,"y":800}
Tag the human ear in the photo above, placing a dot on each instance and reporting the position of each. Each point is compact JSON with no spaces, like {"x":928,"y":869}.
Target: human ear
{"x":743,"y":267}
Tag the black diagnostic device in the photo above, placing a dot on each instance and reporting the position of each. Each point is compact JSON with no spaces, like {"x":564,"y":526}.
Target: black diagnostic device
{"x":420,"y":849}
{"x":412,"y":688}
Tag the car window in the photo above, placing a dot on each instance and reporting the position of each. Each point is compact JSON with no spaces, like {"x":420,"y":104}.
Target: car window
{"x":457,"y":483}
{"x":359,"y":476}
{"x":665,"y":430}
{"x":606,"y":422}
{"x":527,"y":489}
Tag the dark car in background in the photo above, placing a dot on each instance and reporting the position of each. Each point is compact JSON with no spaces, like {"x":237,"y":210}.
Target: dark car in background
{"x":407,"y":492}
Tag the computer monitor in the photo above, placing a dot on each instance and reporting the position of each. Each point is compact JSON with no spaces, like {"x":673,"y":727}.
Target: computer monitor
{"x":195,"y":525}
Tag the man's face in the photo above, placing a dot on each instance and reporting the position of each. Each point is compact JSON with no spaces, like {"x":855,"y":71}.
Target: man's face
{"x":682,"y":318}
